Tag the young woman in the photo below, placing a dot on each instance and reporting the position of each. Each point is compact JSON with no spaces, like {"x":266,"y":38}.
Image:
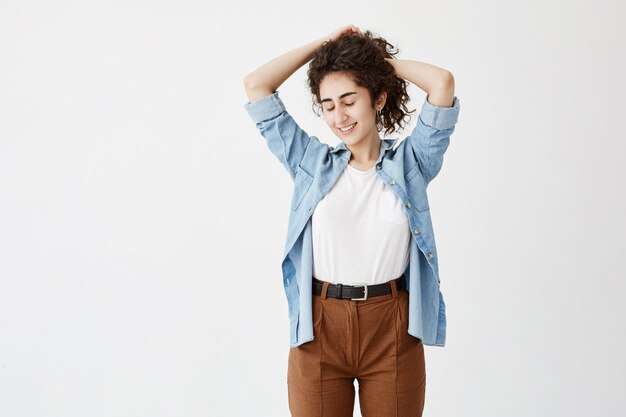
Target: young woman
{"x":360,"y":267}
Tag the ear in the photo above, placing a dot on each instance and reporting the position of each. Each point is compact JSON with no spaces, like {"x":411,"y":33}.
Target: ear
{"x":382,"y":99}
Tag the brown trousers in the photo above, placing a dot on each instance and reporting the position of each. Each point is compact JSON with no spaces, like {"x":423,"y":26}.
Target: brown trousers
{"x":366,"y":340}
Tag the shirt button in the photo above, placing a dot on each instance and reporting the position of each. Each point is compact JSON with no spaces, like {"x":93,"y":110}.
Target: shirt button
{"x":392,"y":182}
{"x":378,"y":167}
{"x":408,"y":204}
{"x":417,"y":231}
{"x":430,"y":255}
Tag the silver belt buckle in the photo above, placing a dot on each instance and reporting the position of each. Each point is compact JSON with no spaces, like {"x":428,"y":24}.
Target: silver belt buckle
{"x":365,"y":295}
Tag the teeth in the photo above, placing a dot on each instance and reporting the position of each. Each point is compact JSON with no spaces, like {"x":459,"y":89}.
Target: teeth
{"x":347,"y":128}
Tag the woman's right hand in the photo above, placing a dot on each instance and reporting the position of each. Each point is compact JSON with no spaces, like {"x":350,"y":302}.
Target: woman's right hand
{"x":343,"y":30}
{"x":268,"y":77}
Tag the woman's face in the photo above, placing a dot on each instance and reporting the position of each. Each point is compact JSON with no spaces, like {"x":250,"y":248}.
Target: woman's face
{"x":346,"y":105}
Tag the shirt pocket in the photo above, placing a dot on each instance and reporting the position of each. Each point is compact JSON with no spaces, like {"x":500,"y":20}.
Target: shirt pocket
{"x":302,"y":183}
{"x":416,"y":189}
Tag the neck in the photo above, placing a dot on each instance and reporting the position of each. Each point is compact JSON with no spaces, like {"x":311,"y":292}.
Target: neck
{"x":366,"y":151}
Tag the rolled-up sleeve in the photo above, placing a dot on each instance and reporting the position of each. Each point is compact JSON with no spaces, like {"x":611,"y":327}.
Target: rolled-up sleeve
{"x":265,"y":108}
{"x":431,"y":136}
{"x":285,"y":139}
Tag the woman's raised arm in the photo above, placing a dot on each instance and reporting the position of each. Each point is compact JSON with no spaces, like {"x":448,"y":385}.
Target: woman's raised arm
{"x":437,"y":82}
{"x":267,"y":78}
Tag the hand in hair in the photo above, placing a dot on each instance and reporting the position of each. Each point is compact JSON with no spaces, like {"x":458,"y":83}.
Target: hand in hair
{"x":342,"y":31}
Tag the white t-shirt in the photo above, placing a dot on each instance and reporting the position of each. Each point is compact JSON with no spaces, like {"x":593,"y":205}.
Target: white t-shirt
{"x":360,"y":231}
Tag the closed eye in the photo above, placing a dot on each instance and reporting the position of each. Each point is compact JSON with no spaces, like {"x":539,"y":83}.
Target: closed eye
{"x":332,"y":108}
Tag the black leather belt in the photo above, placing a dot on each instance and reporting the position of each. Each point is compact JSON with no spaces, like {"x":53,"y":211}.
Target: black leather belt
{"x":357,"y":292}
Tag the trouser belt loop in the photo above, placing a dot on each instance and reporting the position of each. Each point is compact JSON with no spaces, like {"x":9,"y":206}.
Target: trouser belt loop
{"x":325,"y":290}
{"x":339,"y":290}
{"x":394,"y":288}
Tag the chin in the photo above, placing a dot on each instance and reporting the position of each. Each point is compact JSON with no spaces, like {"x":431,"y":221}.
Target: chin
{"x":352,"y":140}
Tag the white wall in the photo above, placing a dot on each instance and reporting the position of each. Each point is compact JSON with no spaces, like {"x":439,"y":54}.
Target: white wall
{"x":142,"y":217}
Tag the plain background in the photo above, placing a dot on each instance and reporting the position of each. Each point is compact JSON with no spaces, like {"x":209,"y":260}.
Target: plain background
{"x":143,"y":218}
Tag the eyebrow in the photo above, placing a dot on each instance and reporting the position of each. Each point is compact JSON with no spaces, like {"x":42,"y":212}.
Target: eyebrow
{"x":341,"y":96}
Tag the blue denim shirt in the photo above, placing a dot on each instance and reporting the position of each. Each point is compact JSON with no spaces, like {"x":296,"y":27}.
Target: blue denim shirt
{"x":407,"y":166}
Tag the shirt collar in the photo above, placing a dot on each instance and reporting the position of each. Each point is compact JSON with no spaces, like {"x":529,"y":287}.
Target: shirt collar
{"x":385,"y":144}
{"x":340,"y":146}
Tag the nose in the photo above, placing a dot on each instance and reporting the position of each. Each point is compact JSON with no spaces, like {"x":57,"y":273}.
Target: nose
{"x":340,"y":116}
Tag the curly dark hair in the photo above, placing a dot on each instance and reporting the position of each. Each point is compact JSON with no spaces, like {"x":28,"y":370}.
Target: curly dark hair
{"x":362,"y":56}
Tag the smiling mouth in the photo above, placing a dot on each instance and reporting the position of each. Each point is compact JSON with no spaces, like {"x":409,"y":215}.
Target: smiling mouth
{"x":347,"y":129}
